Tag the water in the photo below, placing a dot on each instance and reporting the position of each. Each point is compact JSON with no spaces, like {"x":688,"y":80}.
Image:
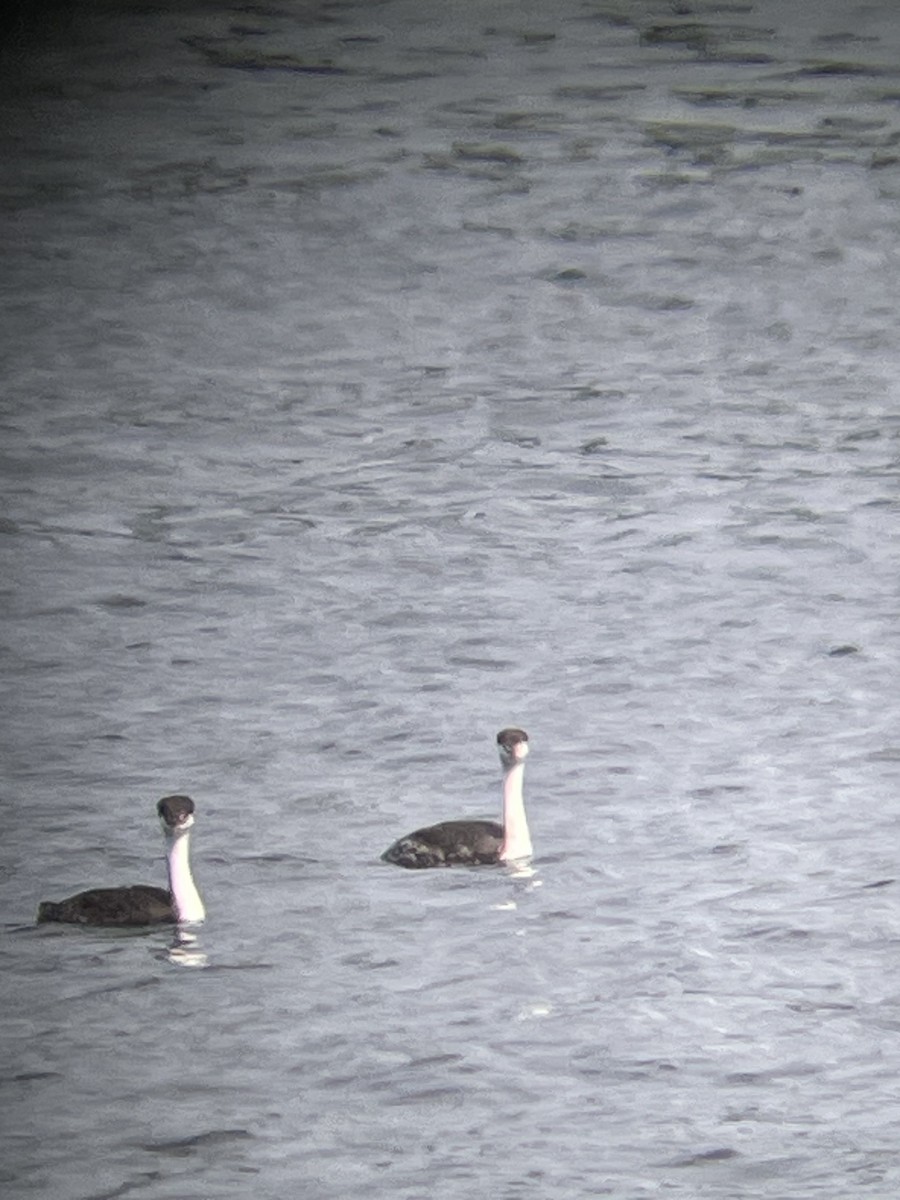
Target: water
{"x":377,"y":376}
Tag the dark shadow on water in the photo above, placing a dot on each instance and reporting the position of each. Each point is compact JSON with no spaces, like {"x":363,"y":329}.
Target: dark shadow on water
{"x":25,"y":25}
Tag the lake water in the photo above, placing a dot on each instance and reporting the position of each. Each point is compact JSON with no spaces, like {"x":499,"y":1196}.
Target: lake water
{"x":377,"y":376}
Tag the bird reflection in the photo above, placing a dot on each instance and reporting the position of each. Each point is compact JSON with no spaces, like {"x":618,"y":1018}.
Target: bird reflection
{"x":185,"y":950}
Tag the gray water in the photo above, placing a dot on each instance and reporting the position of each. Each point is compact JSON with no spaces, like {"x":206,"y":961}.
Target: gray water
{"x":379,"y":375}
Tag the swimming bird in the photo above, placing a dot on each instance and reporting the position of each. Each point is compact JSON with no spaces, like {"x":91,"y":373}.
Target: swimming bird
{"x":470,"y":843}
{"x":142,"y":904}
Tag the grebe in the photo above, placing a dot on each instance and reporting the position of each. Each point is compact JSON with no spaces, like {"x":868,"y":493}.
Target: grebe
{"x":141,"y":904}
{"x":467,"y":843}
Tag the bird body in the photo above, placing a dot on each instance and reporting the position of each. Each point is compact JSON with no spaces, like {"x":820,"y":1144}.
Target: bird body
{"x":451,"y":843}
{"x":141,"y":904}
{"x":473,"y":842}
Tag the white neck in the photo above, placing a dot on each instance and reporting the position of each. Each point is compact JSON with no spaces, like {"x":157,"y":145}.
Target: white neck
{"x":516,"y":838}
{"x":185,"y":897}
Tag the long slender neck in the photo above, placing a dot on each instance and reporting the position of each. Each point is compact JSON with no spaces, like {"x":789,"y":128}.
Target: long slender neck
{"x":185,"y":897}
{"x":516,"y":838}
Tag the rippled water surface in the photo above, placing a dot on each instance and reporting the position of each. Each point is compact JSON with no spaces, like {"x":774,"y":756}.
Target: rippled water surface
{"x":379,"y":375}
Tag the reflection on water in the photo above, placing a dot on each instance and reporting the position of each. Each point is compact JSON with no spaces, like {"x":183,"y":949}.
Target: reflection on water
{"x":185,"y":950}
{"x":525,"y":873}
